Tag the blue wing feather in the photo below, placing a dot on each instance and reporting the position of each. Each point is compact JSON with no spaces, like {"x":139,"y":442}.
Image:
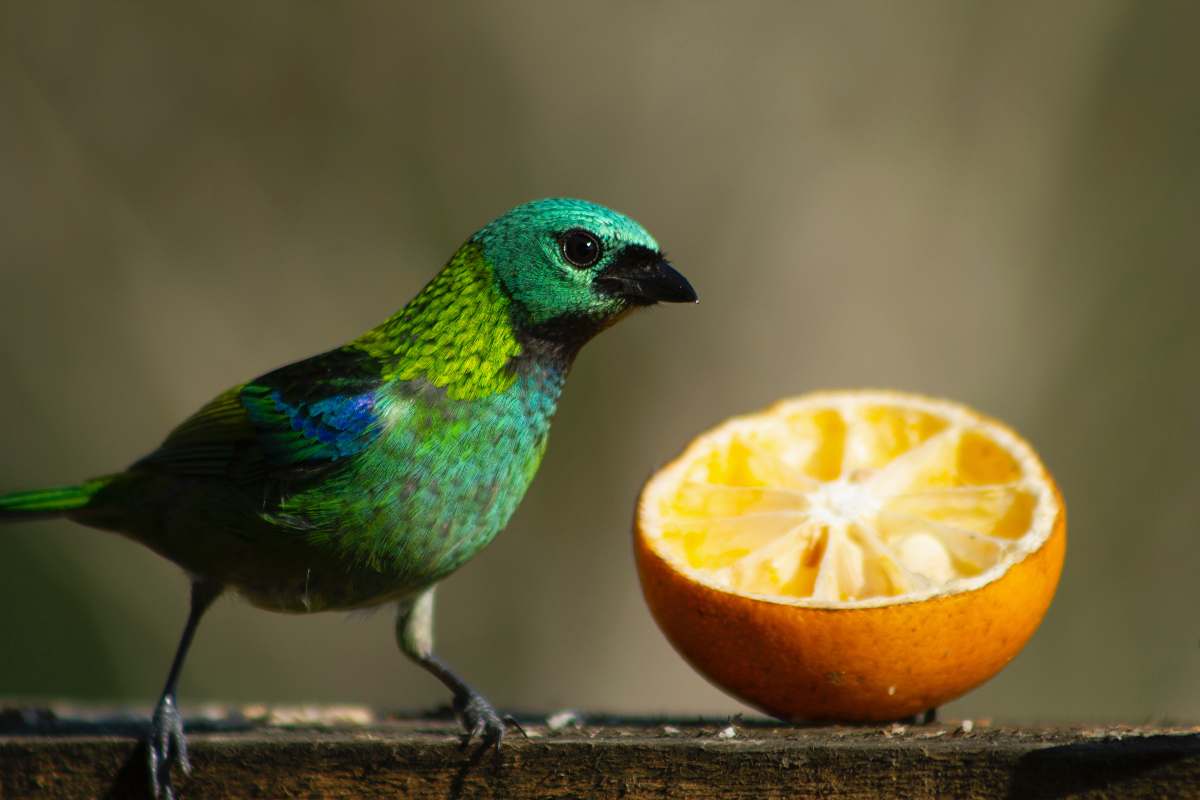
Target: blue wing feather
{"x":332,"y":427}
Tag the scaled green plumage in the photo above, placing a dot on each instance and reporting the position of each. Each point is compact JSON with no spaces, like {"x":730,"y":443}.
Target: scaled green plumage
{"x":368,"y":473}
{"x":457,"y":334}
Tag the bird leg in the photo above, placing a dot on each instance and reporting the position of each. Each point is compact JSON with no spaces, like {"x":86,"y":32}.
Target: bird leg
{"x":167,"y":745}
{"x":414,"y":634}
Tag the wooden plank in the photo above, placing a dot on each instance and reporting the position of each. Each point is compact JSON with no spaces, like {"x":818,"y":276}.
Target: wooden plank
{"x":280,"y":753}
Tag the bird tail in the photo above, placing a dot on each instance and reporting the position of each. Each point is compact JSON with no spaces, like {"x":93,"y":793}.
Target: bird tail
{"x":48,"y":503}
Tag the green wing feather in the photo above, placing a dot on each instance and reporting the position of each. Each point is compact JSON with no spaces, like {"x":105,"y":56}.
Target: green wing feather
{"x":298,"y":419}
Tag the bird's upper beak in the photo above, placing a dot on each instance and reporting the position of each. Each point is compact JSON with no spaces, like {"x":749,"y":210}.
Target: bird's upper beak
{"x":643,"y":277}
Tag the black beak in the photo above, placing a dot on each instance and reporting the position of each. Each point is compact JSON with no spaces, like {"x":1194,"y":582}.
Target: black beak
{"x":643,"y":277}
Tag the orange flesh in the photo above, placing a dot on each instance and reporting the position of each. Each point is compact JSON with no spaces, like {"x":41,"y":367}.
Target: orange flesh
{"x":847,"y":504}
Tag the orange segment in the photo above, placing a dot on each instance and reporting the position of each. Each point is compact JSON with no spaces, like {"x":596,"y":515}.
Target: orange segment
{"x":908,"y":542}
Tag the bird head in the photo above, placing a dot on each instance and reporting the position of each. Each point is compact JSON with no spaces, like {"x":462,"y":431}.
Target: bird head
{"x":571,"y":268}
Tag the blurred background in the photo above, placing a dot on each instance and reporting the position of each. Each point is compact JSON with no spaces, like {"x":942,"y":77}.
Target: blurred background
{"x":993,"y":202}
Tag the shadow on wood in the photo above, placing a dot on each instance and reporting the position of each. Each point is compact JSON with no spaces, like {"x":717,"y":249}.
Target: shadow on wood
{"x":1112,"y":764}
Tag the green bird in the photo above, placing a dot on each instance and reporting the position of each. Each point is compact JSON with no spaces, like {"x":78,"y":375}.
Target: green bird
{"x":366,"y":474}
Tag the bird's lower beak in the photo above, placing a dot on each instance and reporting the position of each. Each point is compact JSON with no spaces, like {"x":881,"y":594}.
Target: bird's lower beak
{"x":642,"y":276}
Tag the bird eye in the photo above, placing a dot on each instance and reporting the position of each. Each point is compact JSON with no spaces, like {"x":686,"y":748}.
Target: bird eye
{"x":580,"y":248}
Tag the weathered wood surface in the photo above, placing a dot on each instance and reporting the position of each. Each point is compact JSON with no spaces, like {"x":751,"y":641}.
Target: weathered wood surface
{"x":282,"y":753}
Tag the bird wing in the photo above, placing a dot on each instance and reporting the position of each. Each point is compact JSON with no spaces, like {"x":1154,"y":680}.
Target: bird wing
{"x":290,"y":423}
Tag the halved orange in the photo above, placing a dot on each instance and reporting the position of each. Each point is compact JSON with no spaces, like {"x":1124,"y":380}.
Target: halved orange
{"x":853,"y":555}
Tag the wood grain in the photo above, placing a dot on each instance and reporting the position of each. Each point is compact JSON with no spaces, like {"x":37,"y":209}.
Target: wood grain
{"x":283,"y":753}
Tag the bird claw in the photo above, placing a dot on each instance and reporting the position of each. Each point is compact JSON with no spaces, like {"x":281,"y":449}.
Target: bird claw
{"x":511,"y":722}
{"x":480,"y":720}
{"x":166,"y":747}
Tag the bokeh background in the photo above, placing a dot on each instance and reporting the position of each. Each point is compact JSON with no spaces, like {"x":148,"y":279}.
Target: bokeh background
{"x":995,"y":202}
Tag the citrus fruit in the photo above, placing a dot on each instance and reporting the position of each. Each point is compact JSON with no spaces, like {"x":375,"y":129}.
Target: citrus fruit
{"x":852,"y":555}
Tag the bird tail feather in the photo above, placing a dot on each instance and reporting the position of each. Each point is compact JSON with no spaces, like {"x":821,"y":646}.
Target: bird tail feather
{"x":48,"y":503}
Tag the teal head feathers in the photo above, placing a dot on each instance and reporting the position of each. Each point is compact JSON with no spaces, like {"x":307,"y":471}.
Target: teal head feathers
{"x":563,"y":260}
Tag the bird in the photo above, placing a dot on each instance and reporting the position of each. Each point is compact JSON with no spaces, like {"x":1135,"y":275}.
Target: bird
{"x":365,"y":475}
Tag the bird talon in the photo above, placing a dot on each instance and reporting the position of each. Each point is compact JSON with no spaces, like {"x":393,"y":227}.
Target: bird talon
{"x":511,"y":722}
{"x":166,"y":746}
{"x":479,"y":720}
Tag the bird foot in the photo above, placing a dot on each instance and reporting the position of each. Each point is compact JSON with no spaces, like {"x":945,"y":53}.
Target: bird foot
{"x":166,"y":747}
{"x":481,"y":721}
